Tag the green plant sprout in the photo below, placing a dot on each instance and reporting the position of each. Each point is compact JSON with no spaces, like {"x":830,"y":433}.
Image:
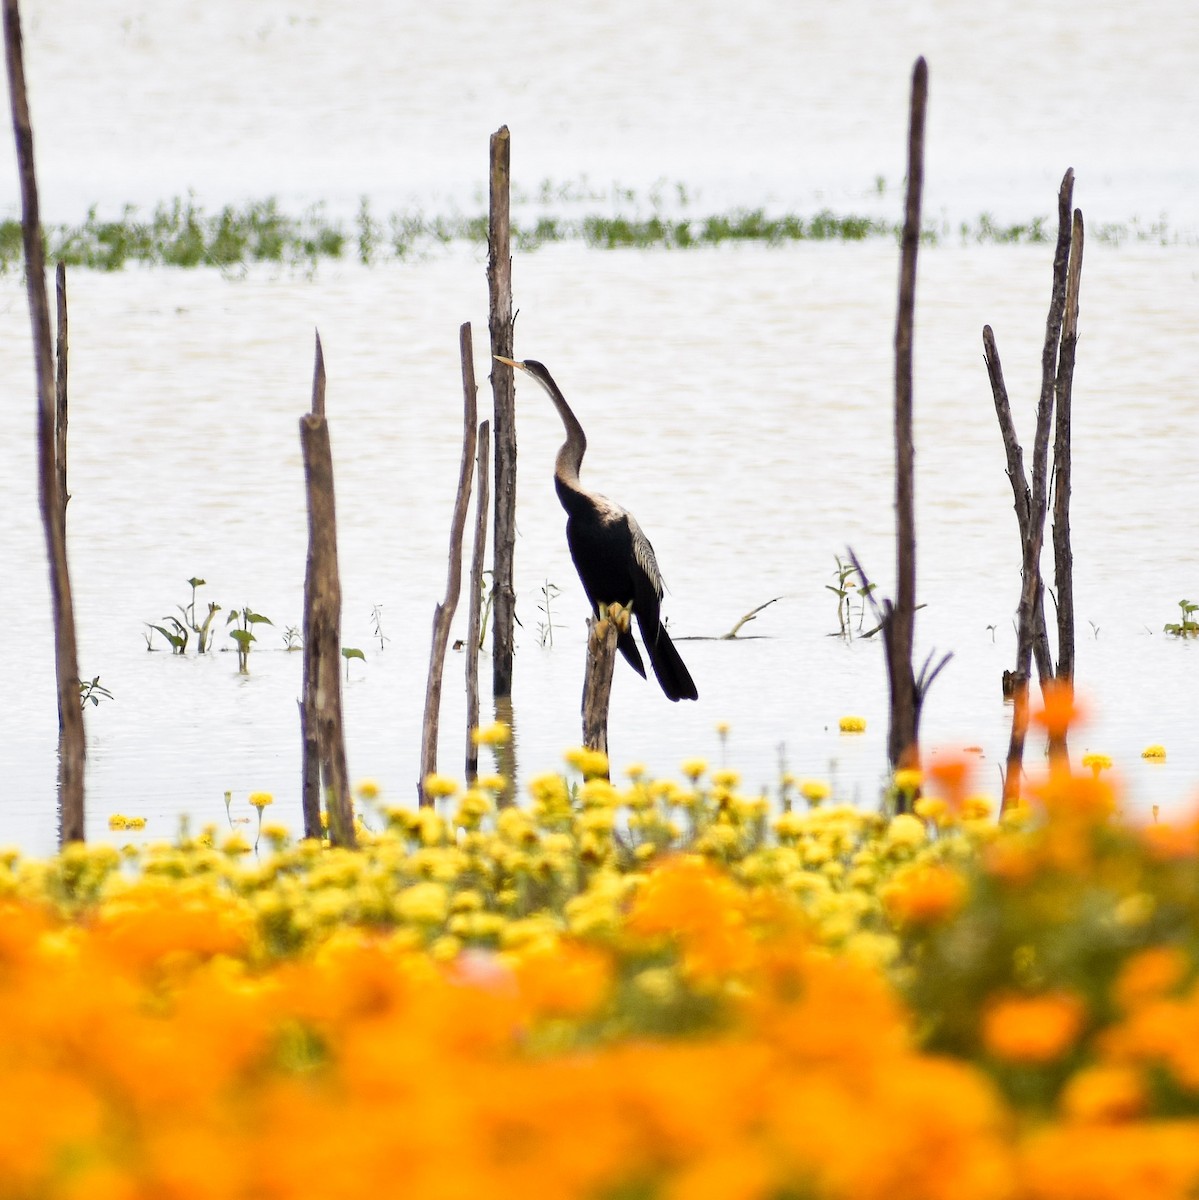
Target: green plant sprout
{"x":94,"y":691}
{"x":1188,"y":626}
{"x":348,"y":652}
{"x":243,"y":635}
{"x":177,"y":640}
{"x":292,"y":639}
{"x":545,"y":629}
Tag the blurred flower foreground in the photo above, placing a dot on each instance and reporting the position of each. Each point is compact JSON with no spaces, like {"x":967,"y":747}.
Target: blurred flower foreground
{"x":615,"y":993}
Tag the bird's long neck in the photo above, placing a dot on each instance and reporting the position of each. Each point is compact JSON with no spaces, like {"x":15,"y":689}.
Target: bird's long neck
{"x":570,"y":456}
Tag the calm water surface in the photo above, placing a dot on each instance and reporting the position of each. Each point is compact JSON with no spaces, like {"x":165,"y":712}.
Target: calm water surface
{"x":736,"y":399}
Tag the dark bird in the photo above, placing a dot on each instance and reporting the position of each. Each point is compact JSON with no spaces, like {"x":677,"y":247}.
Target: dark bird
{"x":614,"y":559}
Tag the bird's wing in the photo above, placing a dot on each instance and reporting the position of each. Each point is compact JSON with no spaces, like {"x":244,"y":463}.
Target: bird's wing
{"x":643,"y":552}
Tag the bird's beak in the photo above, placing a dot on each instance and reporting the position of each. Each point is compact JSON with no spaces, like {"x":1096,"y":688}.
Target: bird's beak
{"x":510,"y":362}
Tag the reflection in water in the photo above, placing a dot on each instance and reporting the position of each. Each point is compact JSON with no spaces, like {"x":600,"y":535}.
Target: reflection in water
{"x":505,"y":753}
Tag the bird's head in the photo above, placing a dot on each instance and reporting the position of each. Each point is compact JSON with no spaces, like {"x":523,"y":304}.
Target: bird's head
{"x":530,"y":366}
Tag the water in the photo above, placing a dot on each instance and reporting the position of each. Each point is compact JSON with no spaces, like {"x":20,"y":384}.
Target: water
{"x":736,"y":399}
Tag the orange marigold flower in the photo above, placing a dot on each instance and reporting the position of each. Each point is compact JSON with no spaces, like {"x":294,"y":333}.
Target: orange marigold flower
{"x":1149,"y":975}
{"x":1033,"y":1029}
{"x":1059,"y":709}
{"x":924,"y":895}
{"x":1105,"y":1093}
{"x":564,"y":979}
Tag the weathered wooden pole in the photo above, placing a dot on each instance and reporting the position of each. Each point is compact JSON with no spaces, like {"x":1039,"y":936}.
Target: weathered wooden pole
{"x":322,"y":620}
{"x":475,"y":618}
{"x":1031,"y":586}
{"x":60,"y":395}
{"x":72,"y":738}
{"x":443,"y":614}
{"x":899,"y":629}
{"x":310,"y":770}
{"x":503,"y":388}
{"x":1063,"y":557}
{"x":602,"y":634}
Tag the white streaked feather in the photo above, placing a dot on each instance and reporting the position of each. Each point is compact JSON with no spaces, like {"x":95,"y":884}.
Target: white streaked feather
{"x":644,"y":554}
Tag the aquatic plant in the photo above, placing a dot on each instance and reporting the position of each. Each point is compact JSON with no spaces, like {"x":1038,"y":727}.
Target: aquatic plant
{"x":1186,"y":625}
{"x":245,"y":619}
{"x":180,"y":233}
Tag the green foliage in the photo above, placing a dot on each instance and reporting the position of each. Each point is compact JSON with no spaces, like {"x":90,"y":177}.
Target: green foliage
{"x":93,"y":691}
{"x":348,"y":652}
{"x":181,"y":233}
{"x":1186,"y":626}
{"x":245,"y":619}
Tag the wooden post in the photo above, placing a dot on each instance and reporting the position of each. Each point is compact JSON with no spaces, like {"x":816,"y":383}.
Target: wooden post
{"x":322,"y":621}
{"x":1021,"y":491}
{"x":310,"y":770}
{"x":72,"y":737}
{"x":1063,"y":557}
{"x":1032,"y":501}
{"x":503,"y":388}
{"x":60,"y":397}
{"x":899,"y":630}
{"x":602,"y":634}
{"x":475,"y":619}
{"x":443,"y":615}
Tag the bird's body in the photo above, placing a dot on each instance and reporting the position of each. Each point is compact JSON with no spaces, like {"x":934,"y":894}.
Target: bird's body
{"x":614,"y":558}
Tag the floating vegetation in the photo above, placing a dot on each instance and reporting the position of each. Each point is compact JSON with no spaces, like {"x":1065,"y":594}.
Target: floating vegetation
{"x":181,"y":233}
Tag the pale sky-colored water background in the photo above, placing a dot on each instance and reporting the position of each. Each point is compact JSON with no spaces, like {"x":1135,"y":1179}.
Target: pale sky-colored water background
{"x":736,"y":399}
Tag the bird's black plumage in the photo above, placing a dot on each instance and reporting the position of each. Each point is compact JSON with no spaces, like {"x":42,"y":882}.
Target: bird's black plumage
{"x":614,"y":558}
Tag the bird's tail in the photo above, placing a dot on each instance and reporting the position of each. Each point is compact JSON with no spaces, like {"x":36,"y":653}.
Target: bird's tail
{"x":628,"y":647}
{"x":668,"y":665}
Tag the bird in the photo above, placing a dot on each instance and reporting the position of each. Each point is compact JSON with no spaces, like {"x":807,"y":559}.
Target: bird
{"x":614,"y":558}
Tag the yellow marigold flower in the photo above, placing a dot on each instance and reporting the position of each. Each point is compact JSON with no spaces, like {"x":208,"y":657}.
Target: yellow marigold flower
{"x":598,"y":793}
{"x":490,"y":783}
{"x":423,"y":903}
{"x":135,"y":822}
{"x":722,"y":728}
{"x":1096,"y":762}
{"x":368,"y":789}
{"x":693,"y":768}
{"x":445,"y":948}
{"x":235,"y":844}
{"x":588,"y":763}
{"x":725,"y":778}
{"x":439,"y":785}
{"x":908,"y":779}
{"x":645,"y":851}
{"x":814,"y":791}
{"x":260,"y":800}
{"x":118,"y":821}
{"x":1105,"y":1093}
{"x":473,"y":805}
{"x":852,"y":724}
{"x":496,"y":734}
{"x":788,"y":825}
{"x":635,"y":771}
{"x":1033,"y":1029}
{"x":931,"y":808}
{"x":977,"y":807}
{"x":905,"y":830}
{"x":1154,"y":752}
{"x":660,"y":984}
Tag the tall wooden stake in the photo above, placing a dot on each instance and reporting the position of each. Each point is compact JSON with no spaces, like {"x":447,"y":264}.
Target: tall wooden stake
{"x":501,"y":323}
{"x":72,"y":738}
{"x":899,"y":631}
{"x":443,"y":615}
{"x":475,"y":620}
{"x":310,"y":770}
{"x":322,"y":620}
